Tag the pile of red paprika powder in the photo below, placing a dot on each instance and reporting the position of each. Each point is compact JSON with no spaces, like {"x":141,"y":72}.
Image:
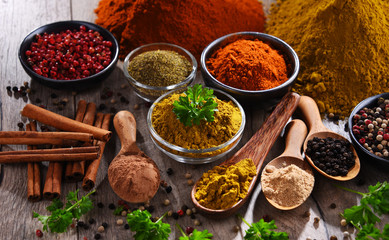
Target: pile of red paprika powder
{"x":248,"y":65}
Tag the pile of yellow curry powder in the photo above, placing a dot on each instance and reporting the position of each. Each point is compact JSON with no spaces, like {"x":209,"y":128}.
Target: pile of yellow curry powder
{"x":227,"y":121}
{"x":342,"y":46}
{"x":222,"y":186}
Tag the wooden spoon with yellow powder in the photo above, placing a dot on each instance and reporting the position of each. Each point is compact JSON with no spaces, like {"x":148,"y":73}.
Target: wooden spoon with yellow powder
{"x":255,"y":149}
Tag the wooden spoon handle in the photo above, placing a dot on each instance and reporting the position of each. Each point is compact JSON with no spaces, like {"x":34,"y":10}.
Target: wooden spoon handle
{"x":296,"y":133}
{"x":125,"y":126}
{"x":261,"y":142}
{"x":311,"y":115}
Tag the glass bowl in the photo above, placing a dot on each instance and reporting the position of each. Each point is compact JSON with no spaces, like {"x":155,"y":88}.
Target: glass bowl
{"x":151,"y":93}
{"x":196,"y":156}
{"x":249,"y":96}
{"x":75,"y":84}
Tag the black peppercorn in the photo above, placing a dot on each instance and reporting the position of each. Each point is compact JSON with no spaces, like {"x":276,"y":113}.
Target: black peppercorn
{"x":104,"y":224}
{"x":332,"y":156}
{"x":100,"y":205}
{"x":97,"y":236}
{"x":126,"y":226}
{"x":175,"y":215}
{"x":168,"y":189}
{"x":111,"y":206}
{"x":92,"y":221}
{"x":9,"y":88}
{"x":169,"y":171}
{"x":80,"y":224}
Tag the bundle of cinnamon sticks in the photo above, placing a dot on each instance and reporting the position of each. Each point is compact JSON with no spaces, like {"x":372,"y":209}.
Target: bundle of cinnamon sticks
{"x":80,"y":146}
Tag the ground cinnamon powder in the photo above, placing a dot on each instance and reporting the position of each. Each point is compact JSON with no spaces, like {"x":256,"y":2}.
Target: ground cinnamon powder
{"x":191,"y":24}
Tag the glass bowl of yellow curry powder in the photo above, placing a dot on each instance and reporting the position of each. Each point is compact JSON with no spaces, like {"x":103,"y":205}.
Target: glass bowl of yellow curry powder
{"x":196,"y":125}
{"x":157,"y":68}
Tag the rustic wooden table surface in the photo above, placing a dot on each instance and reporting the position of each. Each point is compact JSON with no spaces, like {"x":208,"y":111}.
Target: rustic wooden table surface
{"x":17,"y":19}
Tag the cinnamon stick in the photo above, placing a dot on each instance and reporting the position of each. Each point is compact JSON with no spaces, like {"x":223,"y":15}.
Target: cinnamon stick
{"x":52,"y":188}
{"x":81,"y":109}
{"x":10,"y":135}
{"x":33,"y":173}
{"x":103,"y":121}
{"x":78,"y":169}
{"x":53,"y":181}
{"x":63,"y":123}
{"x":22,"y":158}
{"x":88,"y":149}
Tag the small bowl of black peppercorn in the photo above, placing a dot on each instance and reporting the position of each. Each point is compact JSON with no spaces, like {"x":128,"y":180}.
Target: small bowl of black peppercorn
{"x":369,"y":129}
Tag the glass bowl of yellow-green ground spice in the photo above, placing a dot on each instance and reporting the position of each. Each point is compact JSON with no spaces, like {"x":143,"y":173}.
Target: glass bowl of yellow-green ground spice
{"x":196,"y":144}
{"x":155,"y":69}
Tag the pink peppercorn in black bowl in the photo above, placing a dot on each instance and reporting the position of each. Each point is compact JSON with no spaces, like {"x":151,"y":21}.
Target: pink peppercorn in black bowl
{"x":356,"y":132}
{"x":83,"y":81}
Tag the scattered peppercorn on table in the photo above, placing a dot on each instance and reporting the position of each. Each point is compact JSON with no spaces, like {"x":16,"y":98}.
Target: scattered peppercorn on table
{"x":317,"y":218}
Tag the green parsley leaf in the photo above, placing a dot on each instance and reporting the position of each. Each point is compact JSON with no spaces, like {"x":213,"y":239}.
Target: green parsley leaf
{"x":376,"y":199}
{"x":56,"y":204}
{"x":369,"y":232}
{"x":196,"y":235}
{"x":60,"y":219}
{"x":140,"y":222}
{"x":262,"y":230}
{"x":197,"y":104}
{"x":363,"y":216}
{"x":118,"y":210}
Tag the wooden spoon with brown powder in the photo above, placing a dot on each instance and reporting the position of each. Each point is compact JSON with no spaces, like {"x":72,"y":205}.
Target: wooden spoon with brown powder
{"x":133,"y":176}
{"x":256,"y":149}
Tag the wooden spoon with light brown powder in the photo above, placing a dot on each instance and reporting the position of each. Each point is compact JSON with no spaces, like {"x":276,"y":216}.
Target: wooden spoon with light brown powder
{"x":287,"y":181}
{"x":133,"y":176}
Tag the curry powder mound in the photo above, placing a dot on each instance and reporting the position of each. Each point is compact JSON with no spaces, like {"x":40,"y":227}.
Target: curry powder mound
{"x":228,"y":120}
{"x":342,"y":46}
{"x":222,"y":186}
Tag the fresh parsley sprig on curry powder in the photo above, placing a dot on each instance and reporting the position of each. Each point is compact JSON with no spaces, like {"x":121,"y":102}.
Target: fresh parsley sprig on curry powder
{"x":197,"y":104}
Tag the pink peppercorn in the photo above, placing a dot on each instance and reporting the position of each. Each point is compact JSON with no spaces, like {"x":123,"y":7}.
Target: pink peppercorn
{"x":71,"y":54}
{"x":362,"y":141}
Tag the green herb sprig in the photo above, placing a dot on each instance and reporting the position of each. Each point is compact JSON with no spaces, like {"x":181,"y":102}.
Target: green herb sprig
{"x":196,"y":235}
{"x":365,"y":215}
{"x":60,"y":219}
{"x":197,"y":104}
{"x":262,"y":230}
{"x":140,"y":222}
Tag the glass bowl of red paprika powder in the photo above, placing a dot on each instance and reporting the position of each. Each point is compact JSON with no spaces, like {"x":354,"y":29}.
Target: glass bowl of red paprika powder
{"x":69,"y":54}
{"x":253,"y":67}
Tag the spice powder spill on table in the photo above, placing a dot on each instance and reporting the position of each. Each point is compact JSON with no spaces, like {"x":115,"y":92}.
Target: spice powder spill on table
{"x":287,"y":186}
{"x":342,"y":47}
{"x":223,"y":186}
{"x":192,"y":24}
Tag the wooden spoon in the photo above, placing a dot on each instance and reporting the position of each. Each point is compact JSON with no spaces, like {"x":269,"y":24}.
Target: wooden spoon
{"x":312,"y":118}
{"x":257,"y":149}
{"x":297,"y":131}
{"x":133,"y":176}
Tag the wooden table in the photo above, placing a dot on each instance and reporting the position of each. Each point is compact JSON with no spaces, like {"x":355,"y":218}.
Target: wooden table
{"x":20,"y":17}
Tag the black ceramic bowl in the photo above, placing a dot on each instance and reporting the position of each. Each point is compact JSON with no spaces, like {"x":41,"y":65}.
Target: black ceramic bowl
{"x":246,"y":96}
{"x":363,"y":153}
{"x":75,"y":84}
